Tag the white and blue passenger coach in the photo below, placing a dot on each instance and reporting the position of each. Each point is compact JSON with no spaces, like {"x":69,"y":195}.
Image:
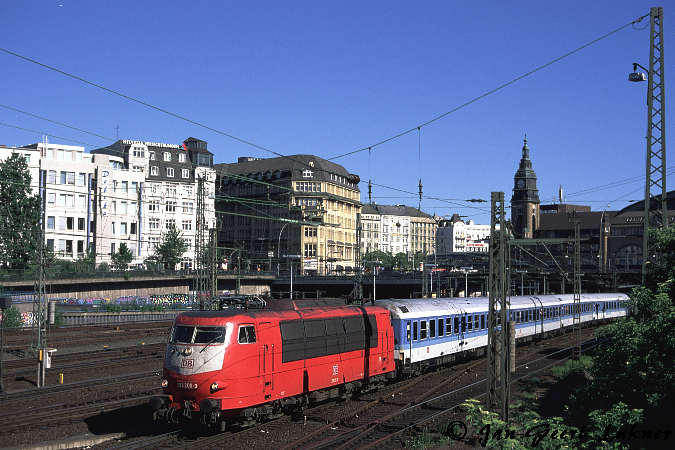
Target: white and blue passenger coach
{"x":433,"y":331}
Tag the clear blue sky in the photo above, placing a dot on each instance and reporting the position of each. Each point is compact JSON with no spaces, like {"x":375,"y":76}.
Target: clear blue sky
{"x":330,"y":77}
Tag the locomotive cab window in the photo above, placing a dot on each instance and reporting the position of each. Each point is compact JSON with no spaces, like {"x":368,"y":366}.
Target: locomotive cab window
{"x":210,"y":335}
{"x":246,"y":334}
{"x":182,"y":334}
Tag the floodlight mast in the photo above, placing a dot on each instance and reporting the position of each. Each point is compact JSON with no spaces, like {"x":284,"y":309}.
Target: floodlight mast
{"x":655,"y":210}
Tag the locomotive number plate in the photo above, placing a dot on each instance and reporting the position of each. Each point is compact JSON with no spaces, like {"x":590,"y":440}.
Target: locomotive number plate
{"x":187,"y":363}
{"x":186,"y":385}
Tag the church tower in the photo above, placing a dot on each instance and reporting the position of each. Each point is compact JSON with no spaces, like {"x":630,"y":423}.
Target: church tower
{"x":525,"y":200}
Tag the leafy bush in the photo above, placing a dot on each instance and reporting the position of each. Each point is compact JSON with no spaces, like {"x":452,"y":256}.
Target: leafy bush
{"x":12,"y":318}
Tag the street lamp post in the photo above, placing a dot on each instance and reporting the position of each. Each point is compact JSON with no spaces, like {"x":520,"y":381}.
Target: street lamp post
{"x":290,"y":263}
{"x":279,"y":249}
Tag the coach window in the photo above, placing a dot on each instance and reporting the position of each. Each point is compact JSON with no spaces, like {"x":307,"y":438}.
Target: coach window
{"x":463,"y":324}
{"x":432,"y":328}
{"x":246,"y":334}
{"x":456,"y":325}
{"x":448,"y":326}
{"x":440,"y":327}
{"x":476,"y":322}
{"x":407,"y":331}
{"x":414,"y":330}
{"x":423,"y":329}
{"x":482,"y":322}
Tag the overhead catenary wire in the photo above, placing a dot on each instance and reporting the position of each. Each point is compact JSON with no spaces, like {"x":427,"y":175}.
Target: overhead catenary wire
{"x":370,"y":147}
{"x":491,"y":91}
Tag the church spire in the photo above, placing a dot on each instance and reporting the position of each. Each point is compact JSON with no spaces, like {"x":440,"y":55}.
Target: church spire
{"x":526,"y":149}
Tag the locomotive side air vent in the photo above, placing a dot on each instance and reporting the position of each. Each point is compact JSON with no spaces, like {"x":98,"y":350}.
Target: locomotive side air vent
{"x":403,"y":309}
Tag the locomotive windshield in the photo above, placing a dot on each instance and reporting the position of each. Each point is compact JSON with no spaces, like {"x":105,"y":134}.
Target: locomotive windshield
{"x":184,"y":334}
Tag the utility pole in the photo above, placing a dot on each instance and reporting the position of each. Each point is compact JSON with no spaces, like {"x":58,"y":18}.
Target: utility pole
{"x":39,"y":344}
{"x":213,"y":266}
{"x":358,"y":276}
{"x":200,"y":272}
{"x":576,"y":306}
{"x":498,"y":332}
{"x":655,"y":211}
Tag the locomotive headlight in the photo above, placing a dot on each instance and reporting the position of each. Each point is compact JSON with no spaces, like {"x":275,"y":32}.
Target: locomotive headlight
{"x":165,"y":383}
{"x":214,"y":387}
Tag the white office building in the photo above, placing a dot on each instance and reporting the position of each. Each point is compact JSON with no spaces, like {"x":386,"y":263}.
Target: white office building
{"x":455,"y":235}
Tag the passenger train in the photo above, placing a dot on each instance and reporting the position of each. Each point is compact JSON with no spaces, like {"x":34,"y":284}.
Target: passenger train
{"x":238,"y":366}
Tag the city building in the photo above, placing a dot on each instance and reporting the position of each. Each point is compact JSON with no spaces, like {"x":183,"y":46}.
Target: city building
{"x":457,"y":236}
{"x":156,"y":185}
{"x":297,"y":210}
{"x":397,"y":229}
{"x":525,"y":199}
{"x":625,"y":240}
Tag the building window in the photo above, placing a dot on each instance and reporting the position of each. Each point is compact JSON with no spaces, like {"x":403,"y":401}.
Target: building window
{"x":167,"y":156}
{"x":67,"y":177}
{"x":188,"y":191}
{"x":134,"y":187}
{"x":80,"y":247}
{"x":81,"y":179}
{"x":50,"y":245}
{"x":310,"y":232}
{"x":123,"y":228}
{"x":51,"y":199}
{"x":51,"y":221}
{"x":152,"y":156}
{"x":82,"y":201}
{"x":69,"y":247}
{"x":153,"y":205}
{"x":132,"y":228}
{"x":170,"y":206}
{"x":171,"y":190}
{"x":185,"y":173}
{"x":51,"y":177}
{"x":138,"y":152}
{"x":187,"y":225}
{"x":80,"y":223}
{"x":123,"y":207}
{"x":187,"y":207}
{"x":153,"y":224}
{"x":112,"y":248}
{"x":310,"y":250}
{"x":137,"y":168}
{"x":181,"y":157}
{"x":171,"y":223}
{"x":125,"y":186}
{"x":169,"y":172}
{"x":307,"y":174}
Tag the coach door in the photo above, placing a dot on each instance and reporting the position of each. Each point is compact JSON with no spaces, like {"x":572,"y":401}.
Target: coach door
{"x":267,"y":349}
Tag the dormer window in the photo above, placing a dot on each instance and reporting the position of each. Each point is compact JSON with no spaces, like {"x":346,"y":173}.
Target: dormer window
{"x":167,"y":156}
{"x":181,"y":157}
{"x":307,"y":173}
{"x":152,"y":156}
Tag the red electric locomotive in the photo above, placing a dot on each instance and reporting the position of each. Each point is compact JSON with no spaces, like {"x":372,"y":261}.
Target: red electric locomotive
{"x":237,"y":366}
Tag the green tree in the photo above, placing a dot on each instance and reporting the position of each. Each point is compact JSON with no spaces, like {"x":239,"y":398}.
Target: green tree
{"x":19,"y":214}
{"x":386,"y":260}
{"x":122,"y":258}
{"x":170,"y":249}
{"x":401,"y":261}
{"x":12,"y":318}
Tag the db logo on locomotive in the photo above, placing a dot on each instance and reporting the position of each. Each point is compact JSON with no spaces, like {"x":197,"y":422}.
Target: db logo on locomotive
{"x":187,"y":363}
